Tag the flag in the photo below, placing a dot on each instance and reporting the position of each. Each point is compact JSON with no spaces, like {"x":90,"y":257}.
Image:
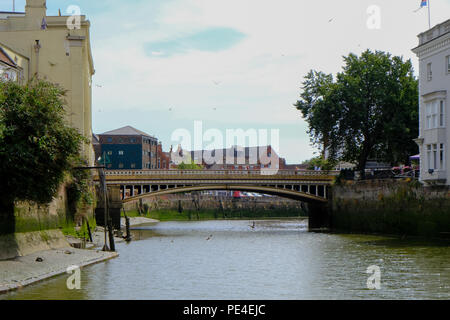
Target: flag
{"x":44,"y":24}
{"x":423,"y":3}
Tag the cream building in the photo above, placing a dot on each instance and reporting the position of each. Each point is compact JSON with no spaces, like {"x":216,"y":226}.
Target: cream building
{"x":434,"y":111}
{"x":56,"y":49}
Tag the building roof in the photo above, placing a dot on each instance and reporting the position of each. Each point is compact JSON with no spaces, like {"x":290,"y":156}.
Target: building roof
{"x":6,"y":59}
{"x":126,"y":131}
{"x":95,"y":139}
{"x":435,"y":32}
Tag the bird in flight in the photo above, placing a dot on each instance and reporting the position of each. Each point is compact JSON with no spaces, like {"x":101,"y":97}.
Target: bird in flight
{"x":217,"y":82}
{"x":209,"y":238}
{"x":331,"y":20}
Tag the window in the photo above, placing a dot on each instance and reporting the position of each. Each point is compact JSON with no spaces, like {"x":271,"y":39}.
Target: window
{"x":109,"y":139}
{"x":435,"y":114}
{"x":120,"y":153}
{"x":133,"y":165}
{"x":447,"y":64}
{"x":436,"y":162}
{"x":109,"y":153}
{"x":435,"y":156}
{"x":132,"y":140}
{"x":429,"y":72}
{"x":120,"y":165}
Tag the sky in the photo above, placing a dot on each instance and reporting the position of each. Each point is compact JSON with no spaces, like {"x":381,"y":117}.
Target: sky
{"x":235,"y":64}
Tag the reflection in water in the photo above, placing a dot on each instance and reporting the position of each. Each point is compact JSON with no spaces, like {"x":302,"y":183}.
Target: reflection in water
{"x":274,"y":260}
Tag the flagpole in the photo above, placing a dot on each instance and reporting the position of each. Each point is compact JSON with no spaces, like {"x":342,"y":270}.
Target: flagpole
{"x":429,"y":16}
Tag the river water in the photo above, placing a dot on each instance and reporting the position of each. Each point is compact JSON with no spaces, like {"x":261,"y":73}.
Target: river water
{"x":276,"y":260}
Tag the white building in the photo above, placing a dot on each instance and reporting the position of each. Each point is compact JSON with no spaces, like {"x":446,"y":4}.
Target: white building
{"x":434,"y":111}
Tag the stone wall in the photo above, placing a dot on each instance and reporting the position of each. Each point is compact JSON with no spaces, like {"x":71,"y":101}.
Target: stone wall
{"x":22,"y":244}
{"x":196,"y":202}
{"x":397,"y":207}
{"x":31,"y":217}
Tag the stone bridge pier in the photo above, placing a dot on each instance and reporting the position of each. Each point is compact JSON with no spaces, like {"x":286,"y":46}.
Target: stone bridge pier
{"x":319,"y":216}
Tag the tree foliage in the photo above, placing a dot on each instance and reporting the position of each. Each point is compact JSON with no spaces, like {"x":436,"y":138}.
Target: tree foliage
{"x":319,"y":108}
{"x":189,"y":166}
{"x":37,"y":147}
{"x":369,"y":111}
{"x":319,"y":162}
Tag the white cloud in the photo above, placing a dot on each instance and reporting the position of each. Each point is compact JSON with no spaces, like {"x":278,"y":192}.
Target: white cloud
{"x":254,"y":82}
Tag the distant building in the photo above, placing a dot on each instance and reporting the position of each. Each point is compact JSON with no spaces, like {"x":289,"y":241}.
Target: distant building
{"x":163,"y":158}
{"x":434,"y":113}
{"x":234,"y":158}
{"x":129,"y":148}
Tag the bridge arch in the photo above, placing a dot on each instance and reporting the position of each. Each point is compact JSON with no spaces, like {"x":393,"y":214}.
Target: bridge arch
{"x":271,"y":190}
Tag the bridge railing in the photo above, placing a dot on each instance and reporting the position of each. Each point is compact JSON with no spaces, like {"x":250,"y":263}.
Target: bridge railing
{"x":219,"y":172}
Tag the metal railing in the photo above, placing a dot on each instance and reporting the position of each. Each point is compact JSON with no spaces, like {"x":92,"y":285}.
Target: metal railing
{"x":220,"y":173}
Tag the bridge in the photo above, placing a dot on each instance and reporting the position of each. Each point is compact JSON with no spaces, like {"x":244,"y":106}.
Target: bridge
{"x":307,"y":186}
{"x":312,"y":187}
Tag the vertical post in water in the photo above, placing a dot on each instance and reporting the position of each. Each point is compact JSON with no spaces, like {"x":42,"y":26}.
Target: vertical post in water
{"x":105,"y":201}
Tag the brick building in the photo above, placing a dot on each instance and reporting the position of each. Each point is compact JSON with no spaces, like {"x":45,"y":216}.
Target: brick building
{"x":234,"y":158}
{"x":163,"y":158}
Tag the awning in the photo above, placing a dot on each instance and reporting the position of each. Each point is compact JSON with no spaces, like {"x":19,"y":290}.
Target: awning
{"x":416,"y":157}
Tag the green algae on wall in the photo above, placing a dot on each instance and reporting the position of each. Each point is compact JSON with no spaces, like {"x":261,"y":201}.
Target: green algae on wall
{"x":397,"y":207}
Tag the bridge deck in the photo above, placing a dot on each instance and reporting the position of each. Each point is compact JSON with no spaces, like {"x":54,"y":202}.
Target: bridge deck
{"x":219,"y":175}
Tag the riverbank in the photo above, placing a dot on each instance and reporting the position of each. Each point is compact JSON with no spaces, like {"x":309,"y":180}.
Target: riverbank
{"x":38,"y":265}
{"x":42,"y":265}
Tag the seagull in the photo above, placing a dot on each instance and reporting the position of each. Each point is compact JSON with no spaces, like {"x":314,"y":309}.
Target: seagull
{"x":209,"y":238}
{"x":217,"y":82}
{"x":331,"y":20}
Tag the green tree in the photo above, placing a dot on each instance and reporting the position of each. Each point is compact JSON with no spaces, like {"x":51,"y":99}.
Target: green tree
{"x":369,"y":111}
{"x":189,"y":166}
{"x":320,"y":109}
{"x":36,"y":145}
{"x":320,"y":162}
{"x":379,"y":118}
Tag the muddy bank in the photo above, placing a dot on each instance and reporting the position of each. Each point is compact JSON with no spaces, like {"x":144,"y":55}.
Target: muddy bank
{"x":41,"y":255}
